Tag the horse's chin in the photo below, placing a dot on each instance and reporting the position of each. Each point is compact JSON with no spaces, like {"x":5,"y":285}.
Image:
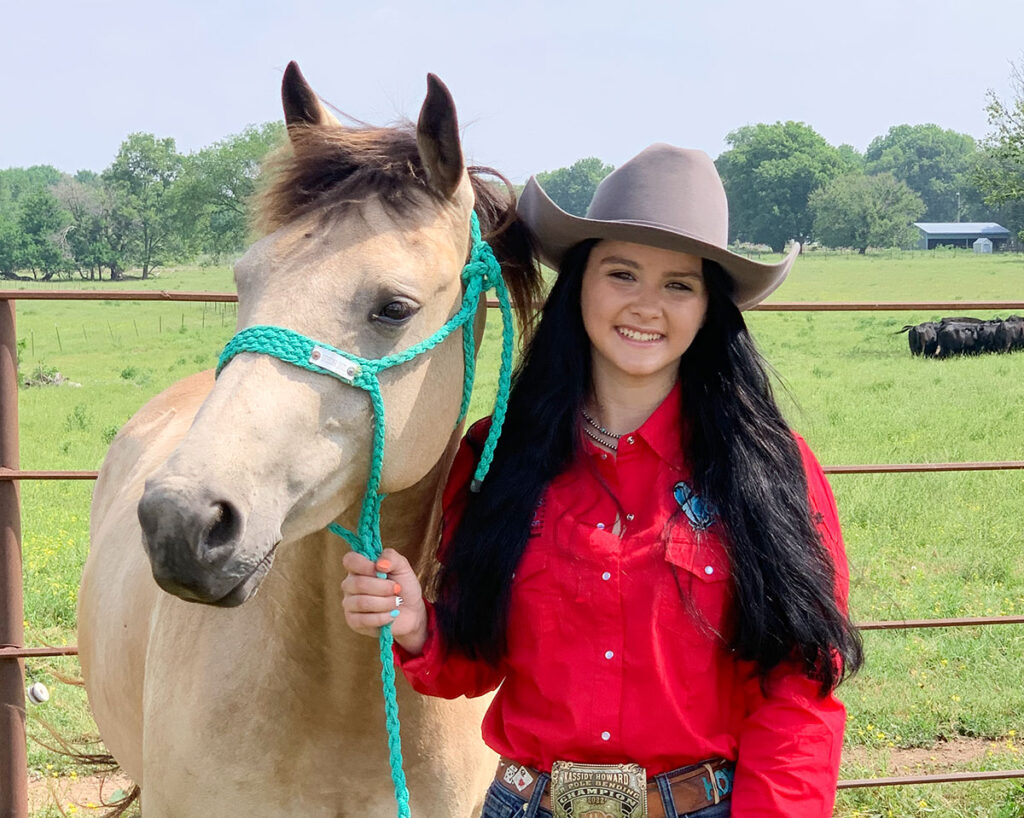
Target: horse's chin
{"x":247,"y":588}
{"x":243,"y":591}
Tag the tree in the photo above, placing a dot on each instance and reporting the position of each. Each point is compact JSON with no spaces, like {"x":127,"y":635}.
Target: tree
{"x":1000,"y":173}
{"x":935,"y":163}
{"x":87,"y":237}
{"x":11,"y":241}
{"x":44,"y":225}
{"x":216,"y":185}
{"x":861,"y":211}
{"x":572,"y":188}
{"x":140,"y":181}
{"x":769,"y":172}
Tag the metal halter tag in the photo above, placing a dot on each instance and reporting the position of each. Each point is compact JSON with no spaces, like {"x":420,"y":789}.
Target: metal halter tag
{"x":333,"y":362}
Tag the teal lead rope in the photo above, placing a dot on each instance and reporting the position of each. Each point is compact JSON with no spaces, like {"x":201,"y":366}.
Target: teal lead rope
{"x":480,"y":274}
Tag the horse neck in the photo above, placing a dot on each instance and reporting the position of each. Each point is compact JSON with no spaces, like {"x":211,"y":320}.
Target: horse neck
{"x":306,"y":578}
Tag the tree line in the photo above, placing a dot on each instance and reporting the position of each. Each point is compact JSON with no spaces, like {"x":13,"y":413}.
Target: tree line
{"x":786,"y":182}
{"x":152,"y":205}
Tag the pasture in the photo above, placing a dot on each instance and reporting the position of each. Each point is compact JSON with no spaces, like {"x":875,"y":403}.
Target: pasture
{"x":920,"y":546}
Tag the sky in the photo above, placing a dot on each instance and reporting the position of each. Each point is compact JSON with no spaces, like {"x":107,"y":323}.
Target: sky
{"x":537,"y":85}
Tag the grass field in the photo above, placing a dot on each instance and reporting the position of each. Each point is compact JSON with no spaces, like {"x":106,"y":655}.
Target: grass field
{"x":919,"y":545}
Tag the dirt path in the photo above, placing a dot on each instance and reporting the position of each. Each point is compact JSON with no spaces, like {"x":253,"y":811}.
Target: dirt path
{"x":79,"y":792}
{"x":942,"y":756}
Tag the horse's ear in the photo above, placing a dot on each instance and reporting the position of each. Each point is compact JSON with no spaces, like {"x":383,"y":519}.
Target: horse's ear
{"x":437,"y":136}
{"x":301,"y":104}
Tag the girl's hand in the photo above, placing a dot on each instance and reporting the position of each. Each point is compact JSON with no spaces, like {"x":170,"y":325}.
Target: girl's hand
{"x":371,"y":602}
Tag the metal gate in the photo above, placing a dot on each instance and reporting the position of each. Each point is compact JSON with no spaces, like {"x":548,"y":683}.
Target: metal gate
{"x":13,"y":756}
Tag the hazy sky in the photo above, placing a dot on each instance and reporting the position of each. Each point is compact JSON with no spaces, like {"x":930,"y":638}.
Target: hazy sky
{"x":538,"y":85}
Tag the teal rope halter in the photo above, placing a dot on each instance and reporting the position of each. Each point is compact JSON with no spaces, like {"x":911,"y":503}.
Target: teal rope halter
{"x":481,"y":273}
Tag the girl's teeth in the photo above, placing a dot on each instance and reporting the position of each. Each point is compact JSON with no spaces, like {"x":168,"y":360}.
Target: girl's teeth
{"x":639,"y":336}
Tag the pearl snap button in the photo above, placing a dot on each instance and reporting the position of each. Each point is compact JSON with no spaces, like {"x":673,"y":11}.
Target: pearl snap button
{"x":629,"y":517}
{"x":629,"y":440}
{"x":600,"y":525}
{"x":709,"y":569}
{"x":606,"y":576}
{"x":608,"y":654}
{"x":605,"y":735}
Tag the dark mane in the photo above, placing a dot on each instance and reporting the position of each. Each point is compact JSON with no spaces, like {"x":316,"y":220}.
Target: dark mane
{"x":330,"y":169}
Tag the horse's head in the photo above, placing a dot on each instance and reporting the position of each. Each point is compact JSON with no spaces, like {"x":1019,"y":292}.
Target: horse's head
{"x":367,"y":235}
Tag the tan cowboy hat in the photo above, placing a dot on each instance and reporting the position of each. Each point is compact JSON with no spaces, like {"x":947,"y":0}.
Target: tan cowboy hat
{"x":665,"y":197}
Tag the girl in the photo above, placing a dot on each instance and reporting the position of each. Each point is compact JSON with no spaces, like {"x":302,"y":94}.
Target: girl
{"x":653,"y":570}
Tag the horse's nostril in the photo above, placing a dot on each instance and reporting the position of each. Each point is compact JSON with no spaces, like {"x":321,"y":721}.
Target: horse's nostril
{"x":224,"y":527}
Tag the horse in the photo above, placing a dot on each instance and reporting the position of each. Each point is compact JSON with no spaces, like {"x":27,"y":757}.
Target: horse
{"x":221,"y":701}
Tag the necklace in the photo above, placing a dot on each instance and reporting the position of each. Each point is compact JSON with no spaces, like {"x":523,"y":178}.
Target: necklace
{"x":596,"y":432}
{"x":598,"y":426}
{"x":613,"y":445}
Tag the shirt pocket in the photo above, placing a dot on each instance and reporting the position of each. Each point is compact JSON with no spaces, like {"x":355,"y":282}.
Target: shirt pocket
{"x":534,"y":605}
{"x":696,"y":591}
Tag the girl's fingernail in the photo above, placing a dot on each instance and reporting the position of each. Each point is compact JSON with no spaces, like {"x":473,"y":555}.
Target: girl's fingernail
{"x":384,"y":565}
{"x":381,"y":575}
{"x":394,"y":613}
{"x":398,"y":588}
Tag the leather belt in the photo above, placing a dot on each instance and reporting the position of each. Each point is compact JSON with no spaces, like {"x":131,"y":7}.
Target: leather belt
{"x":693,"y":788}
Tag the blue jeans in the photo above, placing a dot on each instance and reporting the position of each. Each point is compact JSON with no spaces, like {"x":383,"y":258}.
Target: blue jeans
{"x":500,"y":803}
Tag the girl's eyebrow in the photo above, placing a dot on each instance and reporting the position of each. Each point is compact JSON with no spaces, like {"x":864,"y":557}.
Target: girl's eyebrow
{"x":628,"y":262}
{"x":625,"y":262}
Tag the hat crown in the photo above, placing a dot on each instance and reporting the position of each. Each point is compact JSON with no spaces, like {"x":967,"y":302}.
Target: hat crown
{"x":667,"y":187}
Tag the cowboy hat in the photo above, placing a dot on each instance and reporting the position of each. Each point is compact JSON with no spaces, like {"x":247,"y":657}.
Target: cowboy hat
{"x":665,"y":197}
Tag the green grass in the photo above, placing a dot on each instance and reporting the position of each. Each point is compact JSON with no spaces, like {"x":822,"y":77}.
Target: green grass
{"x":920,"y":545}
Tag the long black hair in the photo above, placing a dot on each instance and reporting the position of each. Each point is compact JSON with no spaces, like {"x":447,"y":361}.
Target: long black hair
{"x":744,"y":460}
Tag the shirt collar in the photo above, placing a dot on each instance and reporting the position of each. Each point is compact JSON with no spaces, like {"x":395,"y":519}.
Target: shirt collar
{"x":663,"y":430}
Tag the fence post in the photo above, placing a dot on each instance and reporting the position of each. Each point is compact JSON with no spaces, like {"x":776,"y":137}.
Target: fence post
{"x":13,"y":756}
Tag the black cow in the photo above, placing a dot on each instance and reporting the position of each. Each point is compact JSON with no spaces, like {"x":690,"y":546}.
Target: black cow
{"x":1010,"y":334}
{"x":957,"y":338}
{"x":923,"y":338}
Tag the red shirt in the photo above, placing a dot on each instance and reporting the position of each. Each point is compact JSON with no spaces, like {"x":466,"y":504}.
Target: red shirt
{"x":614,"y":652}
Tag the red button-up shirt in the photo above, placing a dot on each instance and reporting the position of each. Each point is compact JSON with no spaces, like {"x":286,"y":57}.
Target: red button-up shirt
{"x":615,"y":651}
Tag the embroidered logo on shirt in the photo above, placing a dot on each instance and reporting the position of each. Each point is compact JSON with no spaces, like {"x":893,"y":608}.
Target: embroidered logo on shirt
{"x":699,"y":512}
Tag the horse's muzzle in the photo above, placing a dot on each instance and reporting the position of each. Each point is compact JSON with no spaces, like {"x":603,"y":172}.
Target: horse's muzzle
{"x":194,"y":540}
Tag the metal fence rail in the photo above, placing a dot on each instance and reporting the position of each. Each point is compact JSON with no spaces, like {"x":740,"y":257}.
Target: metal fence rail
{"x":13,"y":761}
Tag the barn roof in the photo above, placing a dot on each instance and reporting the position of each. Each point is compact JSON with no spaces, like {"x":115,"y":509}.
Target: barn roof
{"x":963,"y":229}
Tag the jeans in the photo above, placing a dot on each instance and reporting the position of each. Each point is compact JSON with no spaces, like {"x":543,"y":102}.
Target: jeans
{"x":500,"y":803}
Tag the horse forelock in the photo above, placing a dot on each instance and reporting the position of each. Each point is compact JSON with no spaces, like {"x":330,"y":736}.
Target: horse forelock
{"x":330,"y":170}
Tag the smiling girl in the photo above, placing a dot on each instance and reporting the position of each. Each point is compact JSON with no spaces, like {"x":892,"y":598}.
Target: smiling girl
{"x":653,"y":571}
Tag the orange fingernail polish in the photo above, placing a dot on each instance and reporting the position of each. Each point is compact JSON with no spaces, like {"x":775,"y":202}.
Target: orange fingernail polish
{"x":398,"y":588}
{"x":384,"y":565}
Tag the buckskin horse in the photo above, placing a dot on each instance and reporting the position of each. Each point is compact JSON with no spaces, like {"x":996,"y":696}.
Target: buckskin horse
{"x":219,"y":701}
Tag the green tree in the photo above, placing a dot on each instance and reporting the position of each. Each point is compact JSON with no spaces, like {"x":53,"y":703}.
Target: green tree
{"x":87,"y":237}
{"x":11,"y":241}
{"x":1000,"y":172}
{"x":216,"y":186}
{"x":44,"y":225}
{"x":769,"y":172}
{"x":935,"y":163}
{"x":140,"y":182}
{"x":861,"y":211}
{"x":572,"y":188}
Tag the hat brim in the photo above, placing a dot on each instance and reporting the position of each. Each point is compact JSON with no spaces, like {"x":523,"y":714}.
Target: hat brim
{"x":557,"y":231}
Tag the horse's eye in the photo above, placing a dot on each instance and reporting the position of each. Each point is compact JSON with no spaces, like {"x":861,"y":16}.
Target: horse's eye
{"x":395,"y":312}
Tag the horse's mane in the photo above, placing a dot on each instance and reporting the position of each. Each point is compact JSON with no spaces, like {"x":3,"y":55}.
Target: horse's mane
{"x":330,"y":169}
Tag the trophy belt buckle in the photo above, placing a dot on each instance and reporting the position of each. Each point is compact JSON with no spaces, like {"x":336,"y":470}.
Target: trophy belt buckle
{"x":598,"y":790}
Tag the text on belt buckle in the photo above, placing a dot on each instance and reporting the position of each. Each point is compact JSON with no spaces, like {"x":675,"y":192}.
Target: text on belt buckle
{"x":598,"y":790}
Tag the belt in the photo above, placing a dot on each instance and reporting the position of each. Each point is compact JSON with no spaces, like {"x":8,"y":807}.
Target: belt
{"x":692,"y":788}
